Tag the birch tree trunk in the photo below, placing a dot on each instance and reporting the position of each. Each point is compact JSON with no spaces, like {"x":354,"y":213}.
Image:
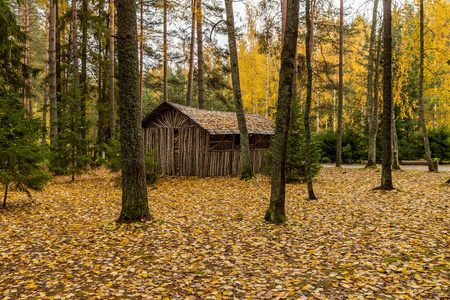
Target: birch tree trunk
{"x":246,"y":172}
{"x":276,"y":211}
{"x":423,"y":123}
{"x":386,"y":172}
{"x":372,"y":118}
{"x":395,"y":160}
{"x":134,"y":188}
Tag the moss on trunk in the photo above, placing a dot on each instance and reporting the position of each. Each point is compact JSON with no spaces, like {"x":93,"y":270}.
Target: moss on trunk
{"x":134,"y":188}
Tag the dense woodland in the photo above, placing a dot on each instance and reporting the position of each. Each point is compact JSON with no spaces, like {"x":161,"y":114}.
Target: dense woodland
{"x":86,"y":73}
{"x":259,"y":48}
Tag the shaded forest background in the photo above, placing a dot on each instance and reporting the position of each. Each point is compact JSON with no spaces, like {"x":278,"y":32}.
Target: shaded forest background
{"x":259,"y":50}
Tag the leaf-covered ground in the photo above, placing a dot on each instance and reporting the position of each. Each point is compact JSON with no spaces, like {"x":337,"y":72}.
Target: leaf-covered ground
{"x":209,"y":240}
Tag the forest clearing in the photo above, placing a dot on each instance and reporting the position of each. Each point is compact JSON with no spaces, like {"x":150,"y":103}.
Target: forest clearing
{"x":209,"y":240}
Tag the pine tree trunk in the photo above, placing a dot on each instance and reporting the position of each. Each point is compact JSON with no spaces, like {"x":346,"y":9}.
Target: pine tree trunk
{"x":386,"y":172}
{"x":191,"y":57}
{"x":307,"y":121}
{"x":5,"y":196}
{"x":165,"y":50}
{"x":423,"y":123}
{"x":83,"y":77}
{"x":372,"y":119}
{"x":75,"y":43}
{"x":141,"y":59}
{"x":246,"y":172}
{"x":341,"y":87}
{"x":276,"y":211}
{"x":201,"y":84}
{"x":112,"y":104}
{"x":45,"y":106}
{"x":52,"y":73}
{"x":26,"y":58}
{"x":134,"y":188}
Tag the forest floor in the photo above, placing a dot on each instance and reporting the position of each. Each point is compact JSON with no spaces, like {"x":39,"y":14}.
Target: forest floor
{"x":209,"y":240}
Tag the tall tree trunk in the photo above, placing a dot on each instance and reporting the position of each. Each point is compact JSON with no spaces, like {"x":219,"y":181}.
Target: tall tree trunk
{"x":75,"y":43}
{"x":276,"y":211}
{"x":59,"y":99}
{"x":423,"y":123}
{"x":45,"y":106}
{"x":372,"y":119}
{"x":134,"y":188}
{"x":201,"y":83}
{"x":52,"y":73}
{"x":386,"y":172}
{"x":341,"y":87}
{"x":83,"y":77}
{"x":246,"y":172}
{"x":376,"y":83}
{"x":165,"y":50}
{"x":112,"y":104}
{"x":141,"y":59}
{"x":334,"y":110}
{"x":191,"y":57}
{"x":26,"y":57}
{"x":395,"y":160}
{"x":266,"y":110}
{"x":307,"y":121}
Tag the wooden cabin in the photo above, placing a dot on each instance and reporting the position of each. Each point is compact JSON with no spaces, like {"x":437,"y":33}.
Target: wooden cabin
{"x":195,"y":142}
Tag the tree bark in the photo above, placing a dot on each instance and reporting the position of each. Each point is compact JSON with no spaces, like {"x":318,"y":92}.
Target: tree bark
{"x":75,"y":43}
{"x":45,"y":106}
{"x":191,"y":57}
{"x":395,"y":160}
{"x":165,"y":50}
{"x":372,"y":119}
{"x":134,"y":188}
{"x":5,"y":196}
{"x":141,"y":59}
{"x":423,"y":123}
{"x":52,"y":73}
{"x":307,"y":120}
{"x":246,"y":172}
{"x":83,"y":77}
{"x":26,"y":57}
{"x":112,"y":104}
{"x":386,"y":172}
{"x":201,"y":84}
{"x":276,"y":211}
{"x":341,"y":87}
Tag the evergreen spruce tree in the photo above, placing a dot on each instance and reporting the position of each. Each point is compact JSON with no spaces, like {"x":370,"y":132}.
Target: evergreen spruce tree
{"x":20,"y":156}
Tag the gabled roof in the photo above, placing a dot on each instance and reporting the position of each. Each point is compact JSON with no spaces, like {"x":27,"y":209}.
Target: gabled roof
{"x":215,"y":122}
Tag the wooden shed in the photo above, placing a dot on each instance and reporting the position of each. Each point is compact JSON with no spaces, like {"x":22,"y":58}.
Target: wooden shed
{"x":195,"y":142}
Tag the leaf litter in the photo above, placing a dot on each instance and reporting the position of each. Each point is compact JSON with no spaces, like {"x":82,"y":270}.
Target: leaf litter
{"x":209,"y":240}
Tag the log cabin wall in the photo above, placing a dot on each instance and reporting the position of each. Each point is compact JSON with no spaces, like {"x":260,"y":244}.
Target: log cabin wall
{"x":183,"y":148}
